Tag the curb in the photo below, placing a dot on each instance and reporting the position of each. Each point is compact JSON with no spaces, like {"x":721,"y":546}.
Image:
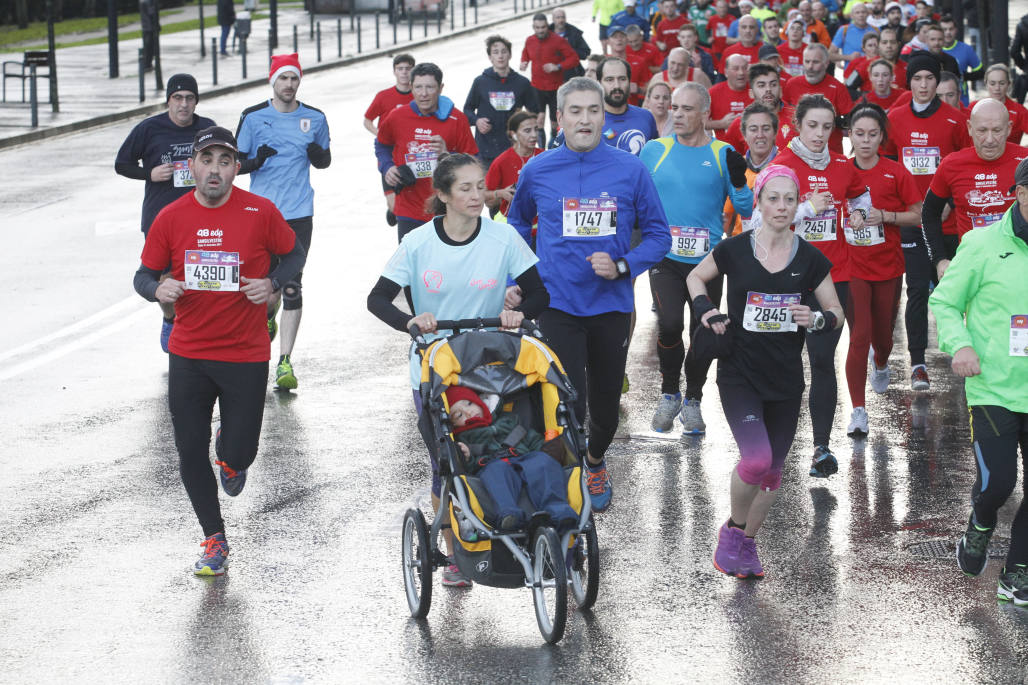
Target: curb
{"x":153,"y":108}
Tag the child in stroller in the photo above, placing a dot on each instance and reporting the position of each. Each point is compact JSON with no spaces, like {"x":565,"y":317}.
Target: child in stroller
{"x":507,"y":456}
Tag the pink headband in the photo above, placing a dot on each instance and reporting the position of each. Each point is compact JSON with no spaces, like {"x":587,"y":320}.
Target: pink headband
{"x":773,"y":171}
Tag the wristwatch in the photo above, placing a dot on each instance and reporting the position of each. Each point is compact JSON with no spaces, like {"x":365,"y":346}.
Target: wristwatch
{"x":622,"y":266}
{"x":818,"y":322}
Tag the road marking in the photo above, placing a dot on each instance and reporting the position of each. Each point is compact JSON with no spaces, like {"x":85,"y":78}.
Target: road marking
{"x":128,"y":303}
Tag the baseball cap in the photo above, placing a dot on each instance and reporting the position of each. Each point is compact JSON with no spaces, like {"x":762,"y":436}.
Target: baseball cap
{"x":767,"y":51}
{"x":1020,"y":175}
{"x":616,"y":29}
{"x":214,"y":135}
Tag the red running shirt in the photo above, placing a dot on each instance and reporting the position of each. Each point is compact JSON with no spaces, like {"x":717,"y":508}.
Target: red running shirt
{"x":505,"y":171}
{"x":792,"y":60}
{"x":786,"y":131}
{"x":892,"y":190}
{"x":386,"y":101}
{"x":1018,"y":119}
{"x":887,"y":102}
{"x":979,"y":188}
{"x":666,"y":32}
{"x":752,"y":53}
{"x":409,"y":133}
{"x":833,"y":91}
{"x":724,"y":100}
{"x":641,"y":60}
{"x":839,"y":178}
{"x":717,"y":29}
{"x":219,"y":326}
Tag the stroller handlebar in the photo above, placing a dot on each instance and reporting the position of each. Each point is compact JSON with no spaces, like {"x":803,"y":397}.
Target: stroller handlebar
{"x":457,"y":325}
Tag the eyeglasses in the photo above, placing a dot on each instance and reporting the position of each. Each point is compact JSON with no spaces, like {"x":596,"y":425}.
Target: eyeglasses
{"x":177,"y":97}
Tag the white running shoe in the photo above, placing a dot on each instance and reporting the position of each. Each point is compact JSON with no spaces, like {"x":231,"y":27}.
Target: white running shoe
{"x":692,"y":419}
{"x":858,"y":422}
{"x":880,"y":378}
{"x":667,"y":408}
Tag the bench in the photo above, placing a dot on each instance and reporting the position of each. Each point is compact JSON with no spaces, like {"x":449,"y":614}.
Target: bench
{"x":40,"y":59}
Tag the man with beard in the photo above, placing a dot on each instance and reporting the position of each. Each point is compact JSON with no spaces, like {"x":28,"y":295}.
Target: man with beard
{"x":816,"y":80}
{"x":221,"y":280}
{"x":765,"y":88}
{"x":625,"y":126}
{"x":730,"y":97}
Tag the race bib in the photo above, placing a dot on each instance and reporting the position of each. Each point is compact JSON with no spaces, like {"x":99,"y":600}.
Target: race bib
{"x":181,"y":175}
{"x":921,"y":161}
{"x":590,"y":217}
{"x":822,"y":227}
{"x":794,"y":69}
{"x":721,"y":31}
{"x":983,"y":220}
{"x":689,"y":241}
{"x":422,"y":164}
{"x":502,"y":101}
{"x":1019,"y":335}
{"x":769,"y":313}
{"x":866,"y":236}
{"x":212,"y":271}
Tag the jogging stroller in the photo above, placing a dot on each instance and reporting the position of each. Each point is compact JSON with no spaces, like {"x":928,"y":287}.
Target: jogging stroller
{"x":529,"y":380}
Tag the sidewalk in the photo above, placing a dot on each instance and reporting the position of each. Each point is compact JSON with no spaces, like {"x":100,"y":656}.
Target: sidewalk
{"x":88,"y":97}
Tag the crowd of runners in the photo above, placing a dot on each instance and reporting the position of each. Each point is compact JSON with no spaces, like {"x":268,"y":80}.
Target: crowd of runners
{"x":775,"y":170}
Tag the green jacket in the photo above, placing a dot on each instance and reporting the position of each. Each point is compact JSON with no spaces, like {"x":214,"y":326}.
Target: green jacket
{"x":603,"y":10}
{"x":489,"y":439}
{"x":987,"y":282}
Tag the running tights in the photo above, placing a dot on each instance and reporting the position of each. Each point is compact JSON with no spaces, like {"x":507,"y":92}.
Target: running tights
{"x":920,"y":274}
{"x":592,"y":350}
{"x":871,"y":314}
{"x":763,"y":430}
{"x":824,"y":389}
{"x":996,"y":433}
{"x":193,"y":387}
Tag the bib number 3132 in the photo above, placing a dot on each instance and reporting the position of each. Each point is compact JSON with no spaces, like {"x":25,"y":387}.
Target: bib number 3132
{"x":590,"y":217}
{"x":212,"y":271}
{"x":769,"y":313}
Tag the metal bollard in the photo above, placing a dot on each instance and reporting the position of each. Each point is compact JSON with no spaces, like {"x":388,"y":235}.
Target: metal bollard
{"x":439,"y":18}
{"x":452,"y":14}
{"x":351,"y":16}
{"x":142,"y":77}
{"x":425,"y":24}
{"x":271,"y":45}
{"x":214,"y":60}
{"x":242,"y":53}
{"x":394,"y":32}
{"x":296,"y":39}
{"x":378,"y":43}
{"x":319,"y":41}
{"x":358,"y":35}
{"x":339,"y":37}
{"x":464,"y":10}
{"x":33,"y":96}
{"x":410,"y":27}
{"x":312,"y":25}
{"x":515,"y":6}
{"x":476,"y":14}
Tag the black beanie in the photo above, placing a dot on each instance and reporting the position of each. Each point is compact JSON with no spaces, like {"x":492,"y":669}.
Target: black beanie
{"x":182,"y":82}
{"x":923,"y":63}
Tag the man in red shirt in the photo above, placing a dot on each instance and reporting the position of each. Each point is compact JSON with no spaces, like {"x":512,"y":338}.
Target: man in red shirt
{"x":921,"y":134}
{"x":645,"y":60}
{"x":730,"y":97}
{"x":385,"y":102}
{"x":411,"y":140}
{"x":816,"y":80}
{"x":717,"y":29}
{"x":792,"y":50}
{"x":219,"y":285}
{"x":888,"y":49}
{"x":665,"y":35}
{"x":550,"y":56}
{"x":749,"y":41}
{"x":977,"y":180}
{"x":766,"y":89}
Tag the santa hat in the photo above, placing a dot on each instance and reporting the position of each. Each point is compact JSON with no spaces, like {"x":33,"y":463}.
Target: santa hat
{"x":281,"y":64}
{"x":456,"y":393}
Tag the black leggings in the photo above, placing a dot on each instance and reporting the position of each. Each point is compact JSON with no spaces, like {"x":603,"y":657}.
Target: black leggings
{"x":667,"y":283}
{"x":919,"y":275}
{"x":995,"y":435}
{"x":763,"y":430}
{"x":548,"y":98}
{"x":592,"y":350}
{"x":193,"y":386}
{"x":824,"y":388}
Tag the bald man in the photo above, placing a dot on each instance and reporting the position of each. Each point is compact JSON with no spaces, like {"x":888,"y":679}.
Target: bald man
{"x":680,"y":71}
{"x":730,"y":97}
{"x":749,"y":41}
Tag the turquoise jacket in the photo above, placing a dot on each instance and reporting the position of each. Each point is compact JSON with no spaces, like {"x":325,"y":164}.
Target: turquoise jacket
{"x":984,"y":290}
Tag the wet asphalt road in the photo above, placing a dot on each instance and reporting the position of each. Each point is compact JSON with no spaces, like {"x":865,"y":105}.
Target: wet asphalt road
{"x":98,"y":536}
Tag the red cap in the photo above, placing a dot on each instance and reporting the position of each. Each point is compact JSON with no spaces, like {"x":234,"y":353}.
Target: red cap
{"x":456,"y":393}
{"x":281,"y":64}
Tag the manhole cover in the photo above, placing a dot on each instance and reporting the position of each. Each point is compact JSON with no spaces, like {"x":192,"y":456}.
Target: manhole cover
{"x":945,"y":549}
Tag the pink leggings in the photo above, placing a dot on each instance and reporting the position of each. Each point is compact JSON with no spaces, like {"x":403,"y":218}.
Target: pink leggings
{"x":871,"y":313}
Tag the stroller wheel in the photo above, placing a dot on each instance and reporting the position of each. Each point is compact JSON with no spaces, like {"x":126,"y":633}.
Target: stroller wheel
{"x":549,"y":584}
{"x":417,"y":563}
{"x":584,"y":569}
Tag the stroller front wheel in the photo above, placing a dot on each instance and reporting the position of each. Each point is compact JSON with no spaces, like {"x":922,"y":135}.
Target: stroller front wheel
{"x":549,"y":585}
{"x":417,"y":563}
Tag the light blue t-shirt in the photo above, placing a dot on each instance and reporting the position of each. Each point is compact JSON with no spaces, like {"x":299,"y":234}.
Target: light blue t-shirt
{"x":285,"y":178}
{"x":458,"y":281}
{"x":850,"y":38}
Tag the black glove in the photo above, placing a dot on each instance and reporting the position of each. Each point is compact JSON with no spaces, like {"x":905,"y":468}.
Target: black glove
{"x":736,"y":168}
{"x":265,"y":151}
{"x":319,"y":156}
{"x":407,"y":178}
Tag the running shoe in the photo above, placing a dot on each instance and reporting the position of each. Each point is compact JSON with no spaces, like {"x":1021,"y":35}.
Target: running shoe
{"x":973,"y":548}
{"x":692,"y":419}
{"x":214,"y":560}
{"x":919,"y":379}
{"x":601,"y":490}
{"x":625,"y":387}
{"x":824,"y":463}
{"x":452,"y":577}
{"x":749,"y":563}
{"x":1013,"y":585}
{"x":284,"y":376}
{"x":166,"y":327}
{"x":667,"y":408}
{"x":232,"y":481}
{"x":729,"y":545}
{"x":880,"y":378}
{"x":858,"y":423}
{"x":272,"y":324}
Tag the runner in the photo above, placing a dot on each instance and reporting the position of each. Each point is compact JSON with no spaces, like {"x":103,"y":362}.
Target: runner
{"x":665,"y":33}
{"x":463,"y":249}
{"x":502,"y":177}
{"x":949,"y":92}
{"x":730,"y":97}
{"x":771,"y":277}
{"x":876,"y":260}
{"x":717,"y":29}
{"x":588,"y":197}
{"x":749,"y":42}
{"x":495,"y":95}
{"x":981,"y":309}
{"x":696,"y":56}
{"x":605,"y":10}
{"x":279,"y":140}
{"x":883,"y":93}
{"x":975,"y":181}
{"x":765,"y":88}
{"x":658,"y":102}
{"x":575,"y":38}
{"x":997,"y":83}
{"x":220,"y":283}
{"x":157,"y":151}
{"x":921,"y":134}
{"x":694,"y":176}
{"x":385,"y":102}
{"x":827,"y":180}
{"x":412,"y":140}
{"x":679,"y":72}
{"x":792,"y":50}
{"x":971,"y":68}
{"x":550,"y":56}
{"x":816,"y":80}
{"x":759,"y":126}
{"x":625,"y":126}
